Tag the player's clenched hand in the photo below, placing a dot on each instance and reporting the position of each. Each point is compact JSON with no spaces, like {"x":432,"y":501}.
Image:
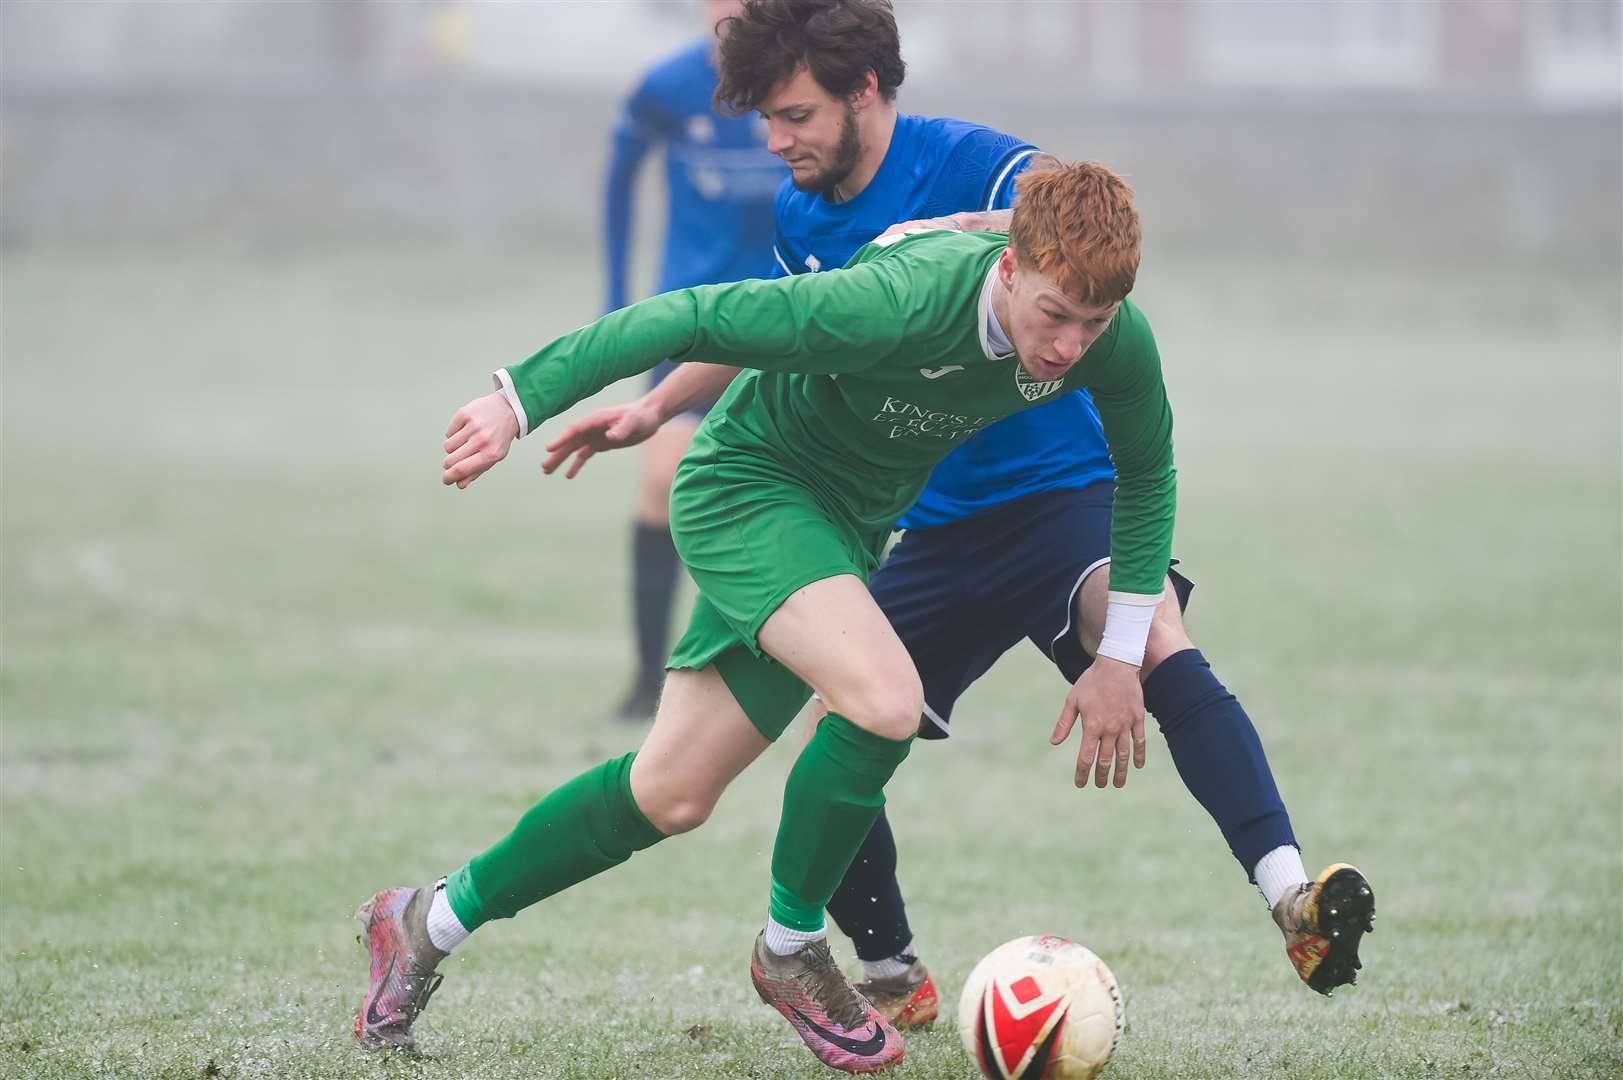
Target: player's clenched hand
{"x":1110,"y":703}
{"x":607,"y":429}
{"x":479,"y":436}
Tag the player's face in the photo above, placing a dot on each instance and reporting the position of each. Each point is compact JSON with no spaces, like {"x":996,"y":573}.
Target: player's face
{"x":814,"y":132}
{"x":1049,"y":330}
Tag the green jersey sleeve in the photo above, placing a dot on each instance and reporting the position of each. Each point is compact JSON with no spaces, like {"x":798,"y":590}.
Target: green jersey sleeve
{"x":1137,"y":419}
{"x":836,"y":322}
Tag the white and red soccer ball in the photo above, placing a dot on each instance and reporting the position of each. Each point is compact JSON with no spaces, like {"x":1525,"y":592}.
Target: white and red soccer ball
{"x":1040,"y":1008}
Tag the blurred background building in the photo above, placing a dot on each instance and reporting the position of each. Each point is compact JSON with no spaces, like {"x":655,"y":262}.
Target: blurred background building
{"x":1439,"y":129}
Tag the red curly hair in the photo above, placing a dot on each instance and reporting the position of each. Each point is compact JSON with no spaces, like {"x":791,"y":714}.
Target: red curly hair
{"x":1077,"y":226}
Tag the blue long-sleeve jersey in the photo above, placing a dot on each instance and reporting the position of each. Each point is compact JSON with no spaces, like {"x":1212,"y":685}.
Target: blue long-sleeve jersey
{"x":719,"y":177}
{"x":935,"y":167}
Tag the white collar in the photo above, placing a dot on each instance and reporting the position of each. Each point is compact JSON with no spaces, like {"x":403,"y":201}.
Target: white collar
{"x":989,"y":323}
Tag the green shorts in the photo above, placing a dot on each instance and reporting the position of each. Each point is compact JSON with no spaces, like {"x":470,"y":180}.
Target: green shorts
{"x":751,"y":534}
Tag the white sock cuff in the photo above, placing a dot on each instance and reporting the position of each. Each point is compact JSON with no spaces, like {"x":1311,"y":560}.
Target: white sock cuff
{"x":445,"y":930}
{"x":890,"y":966}
{"x":1278,"y":872}
{"x":783,"y":940}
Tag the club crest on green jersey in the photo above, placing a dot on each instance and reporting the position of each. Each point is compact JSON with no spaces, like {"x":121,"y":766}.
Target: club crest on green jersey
{"x":1030,"y":388}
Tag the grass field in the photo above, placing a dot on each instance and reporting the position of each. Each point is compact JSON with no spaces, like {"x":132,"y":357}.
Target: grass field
{"x":258,"y":664}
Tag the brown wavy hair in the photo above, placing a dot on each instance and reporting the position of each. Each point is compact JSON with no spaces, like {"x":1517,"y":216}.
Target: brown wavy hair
{"x":1077,"y":226}
{"x":838,"y":41}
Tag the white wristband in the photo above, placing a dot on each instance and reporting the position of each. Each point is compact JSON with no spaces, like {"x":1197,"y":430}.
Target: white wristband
{"x":504,"y":383}
{"x":1127,"y":629}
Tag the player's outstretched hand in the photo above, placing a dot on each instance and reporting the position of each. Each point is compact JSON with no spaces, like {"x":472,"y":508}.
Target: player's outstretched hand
{"x":613,"y":428}
{"x":1110,"y":703}
{"x":479,"y":436}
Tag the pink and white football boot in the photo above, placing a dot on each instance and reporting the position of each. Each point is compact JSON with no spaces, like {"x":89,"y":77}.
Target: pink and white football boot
{"x":395,"y":928}
{"x":813,"y":994}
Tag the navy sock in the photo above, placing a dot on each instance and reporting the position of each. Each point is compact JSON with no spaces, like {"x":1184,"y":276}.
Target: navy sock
{"x":653,"y":583}
{"x":1218,"y":755}
{"x":867,"y":907}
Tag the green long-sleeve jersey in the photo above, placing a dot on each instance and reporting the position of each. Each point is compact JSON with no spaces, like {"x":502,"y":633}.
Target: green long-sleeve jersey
{"x":863,"y":378}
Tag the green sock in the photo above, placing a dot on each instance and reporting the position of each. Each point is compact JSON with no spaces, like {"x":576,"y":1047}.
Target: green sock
{"x":580,"y":829}
{"x":834,"y":795}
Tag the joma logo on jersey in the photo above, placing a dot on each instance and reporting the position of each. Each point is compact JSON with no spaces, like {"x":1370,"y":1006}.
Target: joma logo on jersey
{"x":1030,"y":388}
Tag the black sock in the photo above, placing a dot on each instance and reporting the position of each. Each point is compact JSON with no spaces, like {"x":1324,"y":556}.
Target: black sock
{"x":1218,"y":755}
{"x":868,"y":906}
{"x":653,"y":583}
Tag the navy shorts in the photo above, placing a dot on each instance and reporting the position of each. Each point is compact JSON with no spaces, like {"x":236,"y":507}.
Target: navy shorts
{"x":961,"y":595}
{"x":656,"y":375}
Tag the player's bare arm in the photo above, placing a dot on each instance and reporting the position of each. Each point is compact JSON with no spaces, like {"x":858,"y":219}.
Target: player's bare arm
{"x":968,"y":221}
{"x":687,"y":386}
{"x":620,"y":426}
{"x":480,"y":435}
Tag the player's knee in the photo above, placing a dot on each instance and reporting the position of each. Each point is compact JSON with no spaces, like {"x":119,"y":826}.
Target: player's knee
{"x":890,"y":709}
{"x":670,"y":795}
{"x":677,"y":814}
{"x":1167,"y":634}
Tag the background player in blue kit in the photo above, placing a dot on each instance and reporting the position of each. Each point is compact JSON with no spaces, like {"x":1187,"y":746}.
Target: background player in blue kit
{"x":720,"y":182}
{"x":1010,"y":540}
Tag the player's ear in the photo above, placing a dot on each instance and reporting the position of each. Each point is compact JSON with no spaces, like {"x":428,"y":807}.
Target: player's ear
{"x":868,"y":93}
{"x":1007,"y":264}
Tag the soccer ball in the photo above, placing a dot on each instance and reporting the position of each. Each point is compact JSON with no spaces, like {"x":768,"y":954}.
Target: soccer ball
{"x":1040,"y":1008}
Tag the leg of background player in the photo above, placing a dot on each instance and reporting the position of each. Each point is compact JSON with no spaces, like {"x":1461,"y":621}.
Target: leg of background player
{"x":1220,"y":759}
{"x":868,"y":904}
{"x":655,"y":568}
{"x":869,"y":909}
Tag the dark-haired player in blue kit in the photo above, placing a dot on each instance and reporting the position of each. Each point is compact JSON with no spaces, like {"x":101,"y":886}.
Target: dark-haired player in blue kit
{"x":1011,"y":539}
{"x":720,"y":181}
